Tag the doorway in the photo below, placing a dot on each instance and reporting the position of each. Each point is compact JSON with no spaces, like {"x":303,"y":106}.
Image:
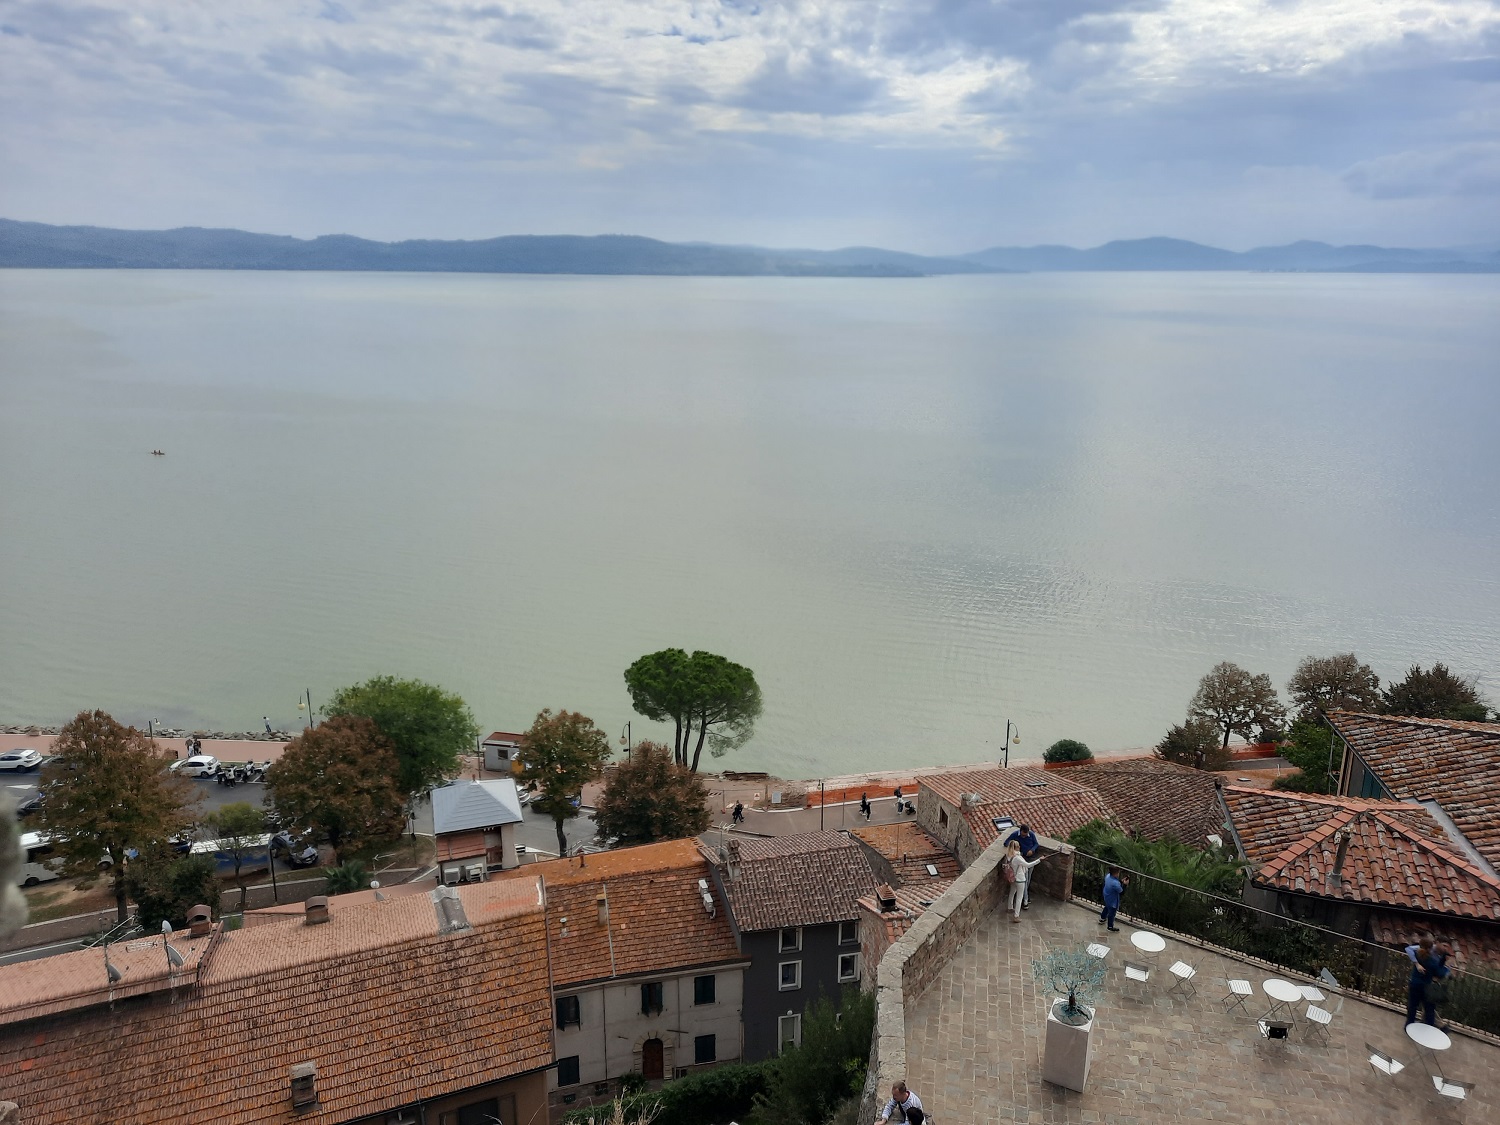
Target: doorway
{"x":652,"y":1062}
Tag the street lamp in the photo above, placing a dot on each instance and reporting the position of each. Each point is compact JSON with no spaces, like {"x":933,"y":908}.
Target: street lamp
{"x":1009,"y":727}
{"x":625,"y":737}
{"x":304,"y":703}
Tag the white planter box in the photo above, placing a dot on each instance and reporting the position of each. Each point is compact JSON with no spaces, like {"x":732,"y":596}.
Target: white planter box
{"x":1067,"y":1051}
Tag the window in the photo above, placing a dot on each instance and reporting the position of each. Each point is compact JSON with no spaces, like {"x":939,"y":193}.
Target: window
{"x":705,"y":1049}
{"x":651,"y":998}
{"x":789,"y":1032}
{"x":848,"y":966}
{"x":475,"y":1113}
{"x":568,"y":1014}
{"x":848,"y":933}
{"x":567,"y":1071}
{"x":791,"y":975}
{"x":791,"y":939}
{"x":703,"y":990}
{"x":942,"y":818}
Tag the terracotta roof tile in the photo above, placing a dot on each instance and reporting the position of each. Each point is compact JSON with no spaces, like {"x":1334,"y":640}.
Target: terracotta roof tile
{"x":366,"y":1012}
{"x":807,"y":879}
{"x":910,"y":849}
{"x":911,"y":904}
{"x":1267,"y":821}
{"x":1154,"y":798}
{"x":1456,"y":764}
{"x":1476,"y":945}
{"x":1049,"y":802}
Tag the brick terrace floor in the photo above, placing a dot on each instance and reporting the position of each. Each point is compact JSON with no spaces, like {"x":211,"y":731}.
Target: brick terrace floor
{"x":974,"y":1045}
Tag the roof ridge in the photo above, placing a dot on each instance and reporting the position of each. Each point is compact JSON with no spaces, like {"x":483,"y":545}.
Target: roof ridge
{"x":1449,"y":856}
{"x":1466,"y":725}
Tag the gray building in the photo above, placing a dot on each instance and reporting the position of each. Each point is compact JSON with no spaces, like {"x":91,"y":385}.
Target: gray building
{"x":794,"y":909}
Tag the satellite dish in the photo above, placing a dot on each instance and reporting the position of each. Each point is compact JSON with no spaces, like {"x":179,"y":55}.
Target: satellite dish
{"x":174,"y":957}
{"x":166,"y":927}
{"x":115,"y":976}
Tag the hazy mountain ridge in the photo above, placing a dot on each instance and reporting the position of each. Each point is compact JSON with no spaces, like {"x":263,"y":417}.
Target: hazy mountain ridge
{"x":40,"y":245}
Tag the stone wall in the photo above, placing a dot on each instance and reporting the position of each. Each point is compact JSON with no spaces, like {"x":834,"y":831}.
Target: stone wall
{"x":914,"y":962}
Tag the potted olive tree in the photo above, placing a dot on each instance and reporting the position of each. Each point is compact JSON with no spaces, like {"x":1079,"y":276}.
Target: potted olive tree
{"x":1069,"y":974}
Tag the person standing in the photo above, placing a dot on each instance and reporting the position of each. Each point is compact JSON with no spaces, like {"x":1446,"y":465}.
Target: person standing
{"x":902,"y":1102}
{"x":267,"y":720}
{"x":1020,"y":868}
{"x":1027,"y":840}
{"x":739,"y":813}
{"x":1423,"y":963}
{"x":1114,"y":887}
{"x":864,"y":805}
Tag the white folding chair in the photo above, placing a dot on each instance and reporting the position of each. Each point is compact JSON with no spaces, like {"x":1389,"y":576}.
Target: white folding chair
{"x":1239,"y":992}
{"x":1318,"y":1022}
{"x":1184,"y":973}
{"x":1311,"y":994}
{"x":1458,"y":1091}
{"x":1098,"y":951}
{"x":1384,"y":1063}
{"x":1140,"y":974}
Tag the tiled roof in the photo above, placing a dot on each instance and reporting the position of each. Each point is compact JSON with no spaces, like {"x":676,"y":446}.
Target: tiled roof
{"x":1456,"y":764}
{"x":657,"y":920}
{"x":1052,"y":804}
{"x":368,"y":1013}
{"x":463,"y":805}
{"x":1389,"y":860}
{"x":807,"y":879}
{"x":1155,"y":798}
{"x":1476,"y":945}
{"x":910,"y":849}
{"x":911,"y":904}
{"x":69,"y":981}
{"x":1267,"y":821}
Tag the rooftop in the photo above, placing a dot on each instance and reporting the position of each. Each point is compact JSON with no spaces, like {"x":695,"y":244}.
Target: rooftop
{"x":807,"y":879}
{"x":911,"y":850}
{"x":1047,"y":800}
{"x":974,"y":1035}
{"x":465,"y":805}
{"x":1155,"y":798}
{"x":357,"y":996}
{"x":1455,"y":764}
{"x":910,"y":903}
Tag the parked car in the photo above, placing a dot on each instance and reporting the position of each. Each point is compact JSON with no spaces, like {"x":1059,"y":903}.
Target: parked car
{"x":199,"y":765}
{"x":295,"y":850}
{"x":30,"y":805}
{"x":20,"y":760}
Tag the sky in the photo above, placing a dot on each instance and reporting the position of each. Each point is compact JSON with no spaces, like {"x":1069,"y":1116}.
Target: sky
{"x":937,"y":126}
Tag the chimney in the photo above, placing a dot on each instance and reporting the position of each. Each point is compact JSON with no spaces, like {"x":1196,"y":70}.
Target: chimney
{"x":316,"y":910}
{"x":304,"y":1086}
{"x":1337,"y":877}
{"x":886,"y":898}
{"x":602,"y":902}
{"x":200,"y":920}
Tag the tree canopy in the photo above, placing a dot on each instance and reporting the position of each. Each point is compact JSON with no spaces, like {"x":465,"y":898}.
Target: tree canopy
{"x":239,"y":828}
{"x":338,"y":781}
{"x":1436,"y":694}
{"x":1193,"y":743}
{"x":1333,"y":683}
{"x":650,"y":797}
{"x":429,"y":727}
{"x":703,"y":690}
{"x":1236,"y":702}
{"x":558,"y":755}
{"x":107,"y":792}
{"x":166,"y":886}
{"x":1067,"y":750}
{"x":810,"y":1080}
{"x":1310,"y":749}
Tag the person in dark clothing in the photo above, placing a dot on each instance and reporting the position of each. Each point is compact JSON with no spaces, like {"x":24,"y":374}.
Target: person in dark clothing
{"x":864,"y":805}
{"x":1114,"y":887}
{"x":739,"y":813}
{"x":1030,"y":849}
{"x":1426,"y":966}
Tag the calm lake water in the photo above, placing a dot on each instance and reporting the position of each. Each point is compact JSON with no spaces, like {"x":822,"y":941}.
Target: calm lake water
{"x":914,"y":507}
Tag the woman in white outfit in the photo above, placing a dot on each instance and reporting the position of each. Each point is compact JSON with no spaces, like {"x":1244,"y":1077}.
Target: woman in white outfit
{"x":1021,"y":868}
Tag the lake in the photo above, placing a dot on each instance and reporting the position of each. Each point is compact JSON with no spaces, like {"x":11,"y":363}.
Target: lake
{"x":915,"y":508}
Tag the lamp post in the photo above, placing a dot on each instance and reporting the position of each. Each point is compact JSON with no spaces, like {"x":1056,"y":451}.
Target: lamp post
{"x":626,"y":738}
{"x":304,"y":703}
{"x":1009,"y":727}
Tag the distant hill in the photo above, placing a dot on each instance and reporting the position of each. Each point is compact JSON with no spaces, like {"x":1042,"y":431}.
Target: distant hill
{"x":1176,"y":254}
{"x":38,"y":245}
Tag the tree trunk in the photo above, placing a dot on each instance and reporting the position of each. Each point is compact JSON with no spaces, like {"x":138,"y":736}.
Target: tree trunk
{"x":121,"y":912}
{"x":702,"y":734}
{"x":562,"y":839}
{"x":1225,"y":746}
{"x":677,"y":754}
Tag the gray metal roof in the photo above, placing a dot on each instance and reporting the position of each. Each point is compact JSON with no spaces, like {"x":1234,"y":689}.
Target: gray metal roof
{"x":466,"y":805}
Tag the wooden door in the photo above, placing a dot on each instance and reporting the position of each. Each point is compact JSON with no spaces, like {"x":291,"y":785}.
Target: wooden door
{"x":652,"y":1067}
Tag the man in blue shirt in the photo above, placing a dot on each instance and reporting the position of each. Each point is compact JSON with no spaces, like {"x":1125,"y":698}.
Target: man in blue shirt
{"x":1114,"y":887}
{"x":1029,"y":850}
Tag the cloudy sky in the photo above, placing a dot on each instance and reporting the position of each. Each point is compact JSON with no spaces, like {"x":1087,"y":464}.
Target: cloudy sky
{"x":930,"y":125}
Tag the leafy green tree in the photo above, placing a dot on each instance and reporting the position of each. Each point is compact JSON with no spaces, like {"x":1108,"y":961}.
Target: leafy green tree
{"x":1193,"y":743}
{"x":811,"y":1080}
{"x":1436,"y":694}
{"x":650,"y":797}
{"x":1234,"y":701}
{"x":430,"y":728}
{"x":107,"y":792}
{"x":240,"y":827}
{"x":166,"y":886}
{"x":1333,"y":683}
{"x":346,"y":877}
{"x":703,"y":690}
{"x":559,"y":754}
{"x":1310,"y":749}
{"x":1067,"y":750}
{"x":338,"y":781}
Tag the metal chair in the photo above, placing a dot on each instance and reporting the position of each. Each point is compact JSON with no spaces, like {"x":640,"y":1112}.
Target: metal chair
{"x":1184,"y":973}
{"x":1312,"y":994}
{"x":1239,"y":992}
{"x":1458,"y":1091}
{"x":1134,"y":971}
{"x":1098,"y":951}
{"x":1384,"y":1063}
{"x":1279,"y":1030}
{"x":1318,"y":1022}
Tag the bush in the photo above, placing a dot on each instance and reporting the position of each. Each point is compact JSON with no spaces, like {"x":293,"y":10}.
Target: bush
{"x":165,"y":888}
{"x":812,"y":1080}
{"x":1193,"y":743}
{"x":1067,"y":750}
{"x":1309,"y":749}
{"x":705,"y":1097}
{"x":346,"y":877}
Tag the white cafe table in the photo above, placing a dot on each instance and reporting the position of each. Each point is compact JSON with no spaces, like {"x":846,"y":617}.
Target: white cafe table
{"x":1147,"y":942}
{"x":1430,"y":1039}
{"x":1284,"y":995}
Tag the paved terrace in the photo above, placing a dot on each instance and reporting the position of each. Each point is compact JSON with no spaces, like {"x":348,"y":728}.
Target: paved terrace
{"x":974,"y":1037}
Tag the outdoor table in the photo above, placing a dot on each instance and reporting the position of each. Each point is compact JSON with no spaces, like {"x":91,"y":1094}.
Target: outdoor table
{"x":1148,"y":942}
{"x":1284,"y":994}
{"x":1429,"y":1038}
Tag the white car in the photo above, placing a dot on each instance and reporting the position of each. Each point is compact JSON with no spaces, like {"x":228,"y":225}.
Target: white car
{"x":199,"y":765}
{"x":20,"y":760}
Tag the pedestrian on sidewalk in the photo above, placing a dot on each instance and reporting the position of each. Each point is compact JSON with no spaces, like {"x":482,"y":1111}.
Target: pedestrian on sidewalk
{"x":1020,"y":874}
{"x":1114,"y":887}
{"x":864,"y":805}
{"x":739,"y":813}
{"x":267,"y":720}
